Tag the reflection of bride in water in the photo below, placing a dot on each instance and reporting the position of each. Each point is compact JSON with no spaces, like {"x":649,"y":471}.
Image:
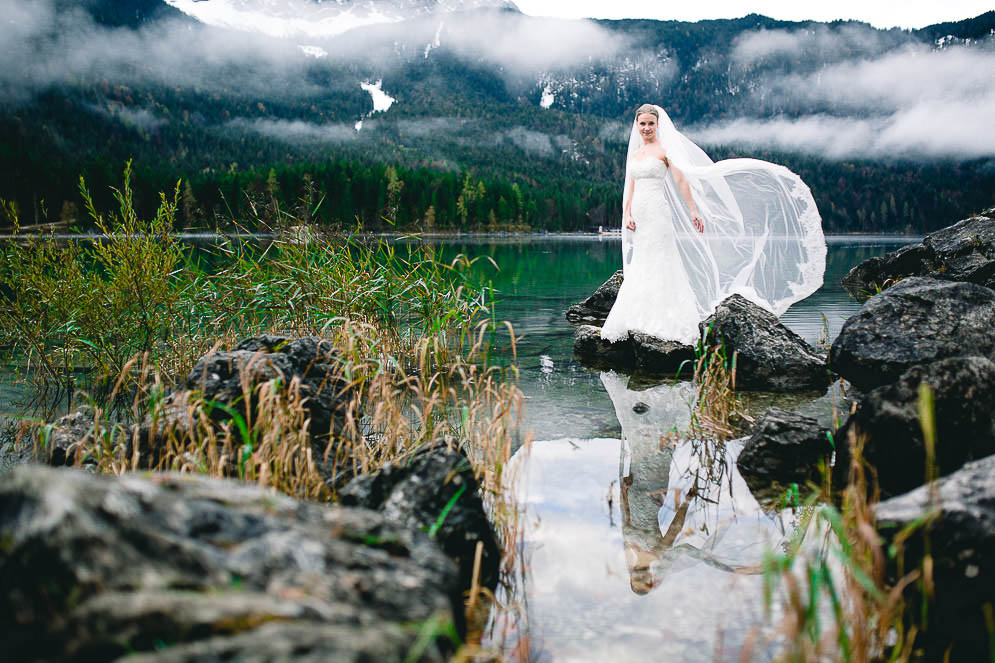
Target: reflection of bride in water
{"x":684,"y":503}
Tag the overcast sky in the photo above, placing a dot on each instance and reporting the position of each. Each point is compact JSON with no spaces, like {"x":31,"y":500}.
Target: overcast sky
{"x":880,"y":13}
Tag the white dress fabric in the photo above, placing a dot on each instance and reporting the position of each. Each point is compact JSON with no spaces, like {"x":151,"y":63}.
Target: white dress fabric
{"x":656,"y":296}
{"x":763,"y":240}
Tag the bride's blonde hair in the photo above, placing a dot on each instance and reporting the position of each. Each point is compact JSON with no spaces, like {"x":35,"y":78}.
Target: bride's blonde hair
{"x":648,"y":108}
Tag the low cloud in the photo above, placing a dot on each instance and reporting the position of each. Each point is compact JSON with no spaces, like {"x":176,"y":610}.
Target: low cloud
{"x":954,"y":129}
{"x":895,"y":81}
{"x":819,"y":42}
{"x":42,"y":47}
{"x":296,"y":131}
{"x":138,"y":118}
{"x":909,"y":102}
{"x":533,"y":142}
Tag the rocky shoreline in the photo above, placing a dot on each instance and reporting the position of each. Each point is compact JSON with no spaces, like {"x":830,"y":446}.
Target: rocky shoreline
{"x":163,"y":566}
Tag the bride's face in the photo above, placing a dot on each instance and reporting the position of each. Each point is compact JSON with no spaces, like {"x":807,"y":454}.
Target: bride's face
{"x":646,"y":123}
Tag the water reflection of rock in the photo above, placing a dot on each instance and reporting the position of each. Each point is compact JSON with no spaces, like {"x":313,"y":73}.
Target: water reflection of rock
{"x":683,"y":502}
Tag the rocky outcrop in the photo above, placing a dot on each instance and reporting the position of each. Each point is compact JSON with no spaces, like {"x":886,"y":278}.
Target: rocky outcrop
{"x":594,"y":309}
{"x":99,"y":568}
{"x":639,"y":353}
{"x":784,"y":448}
{"x":302,"y":374}
{"x":887,"y":417}
{"x":434,"y":491}
{"x":914,"y":322}
{"x":58,"y":443}
{"x":305,"y":367}
{"x":961,"y":545}
{"x":964,"y":251}
{"x":769,"y":356}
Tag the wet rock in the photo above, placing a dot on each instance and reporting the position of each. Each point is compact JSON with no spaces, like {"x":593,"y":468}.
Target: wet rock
{"x":961,"y":543}
{"x":914,"y":322}
{"x":98,"y":567}
{"x":888,"y":417}
{"x":302,"y":370}
{"x":594,"y":309}
{"x":307,"y":364}
{"x":434,"y":491}
{"x":592,"y":350}
{"x":640,"y":353}
{"x":784,"y":448}
{"x":652,"y":355}
{"x":60,"y":442}
{"x":964,"y":251}
{"x":769,"y":356}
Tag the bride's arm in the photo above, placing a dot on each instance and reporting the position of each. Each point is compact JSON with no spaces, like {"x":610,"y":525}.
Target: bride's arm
{"x":685,"y":189}
{"x":627,"y":219}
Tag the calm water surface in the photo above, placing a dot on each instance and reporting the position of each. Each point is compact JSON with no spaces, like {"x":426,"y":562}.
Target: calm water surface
{"x":633,"y":549}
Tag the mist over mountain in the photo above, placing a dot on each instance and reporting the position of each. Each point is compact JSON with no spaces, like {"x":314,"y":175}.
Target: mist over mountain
{"x":475,"y":85}
{"x":320,"y":18}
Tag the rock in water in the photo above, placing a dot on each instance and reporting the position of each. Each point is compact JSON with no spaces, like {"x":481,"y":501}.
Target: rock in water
{"x":435,"y":491}
{"x":769,"y":356}
{"x":97,"y":568}
{"x":888,"y":417}
{"x":964,"y":251}
{"x":305,"y":370}
{"x":961,"y":543}
{"x":914,"y":322}
{"x":639,"y":353}
{"x":594,"y":309}
{"x":784,"y":448}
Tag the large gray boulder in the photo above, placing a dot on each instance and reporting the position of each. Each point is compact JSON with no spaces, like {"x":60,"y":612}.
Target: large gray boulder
{"x":914,"y":322}
{"x":594,"y":309}
{"x":769,"y":356}
{"x":888,"y":419}
{"x":435,"y":491}
{"x":964,"y":251}
{"x":101,"y":568}
{"x":961,"y":544}
{"x":784,"y":448}
{"x":639,"y":353}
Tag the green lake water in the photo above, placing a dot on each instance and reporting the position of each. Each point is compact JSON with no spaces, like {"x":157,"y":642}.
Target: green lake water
{"x":631,"y":550}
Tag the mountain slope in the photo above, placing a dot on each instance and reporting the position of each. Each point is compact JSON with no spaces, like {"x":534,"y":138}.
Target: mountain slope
{"x":536,"y":101}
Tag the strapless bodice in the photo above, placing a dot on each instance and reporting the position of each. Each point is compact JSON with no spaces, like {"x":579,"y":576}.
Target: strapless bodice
{"x":646,"y":168}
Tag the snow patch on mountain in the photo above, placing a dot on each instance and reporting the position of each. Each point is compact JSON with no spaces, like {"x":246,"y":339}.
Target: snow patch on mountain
{"x":381,"y":100}
{"x":435,"y":43}
{"x":317,"y":52}
{"x":547,"y":97}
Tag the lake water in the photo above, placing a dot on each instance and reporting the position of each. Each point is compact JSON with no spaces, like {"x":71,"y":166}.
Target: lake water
{"x":630,"y":549}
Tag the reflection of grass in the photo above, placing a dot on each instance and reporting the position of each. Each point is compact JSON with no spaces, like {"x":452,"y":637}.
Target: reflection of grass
{"x":718,"y":413}
{"x":846,"y":576}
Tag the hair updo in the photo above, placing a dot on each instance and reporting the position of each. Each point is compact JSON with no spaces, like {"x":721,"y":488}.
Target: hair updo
{"x":648,"y":108}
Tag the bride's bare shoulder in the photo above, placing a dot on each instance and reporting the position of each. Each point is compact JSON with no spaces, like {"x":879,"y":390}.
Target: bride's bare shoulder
{"x":656,"y":151}
{"x":653,"y":151}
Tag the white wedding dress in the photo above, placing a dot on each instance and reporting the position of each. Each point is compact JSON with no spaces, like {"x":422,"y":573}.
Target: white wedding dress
{"x":656,"y":296}
{"x":762,"y":239}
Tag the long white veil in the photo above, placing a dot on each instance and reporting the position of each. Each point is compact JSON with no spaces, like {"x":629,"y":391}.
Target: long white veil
{"x":763,"y":234}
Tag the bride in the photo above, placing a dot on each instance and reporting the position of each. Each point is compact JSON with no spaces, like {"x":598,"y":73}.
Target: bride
{"x":695,"y":232}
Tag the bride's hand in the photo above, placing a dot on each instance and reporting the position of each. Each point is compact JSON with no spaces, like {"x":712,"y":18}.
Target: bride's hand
{"x":698,"y":222}
{"x":630,"y":223}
